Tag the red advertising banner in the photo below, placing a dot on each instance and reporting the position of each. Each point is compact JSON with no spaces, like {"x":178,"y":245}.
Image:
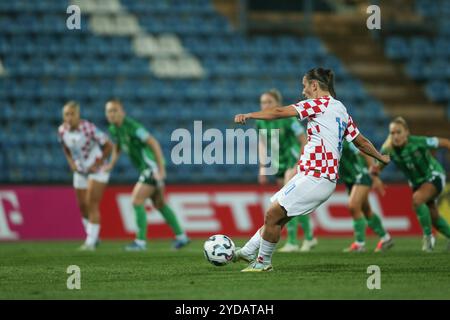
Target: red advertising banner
{"x":236,"y":210}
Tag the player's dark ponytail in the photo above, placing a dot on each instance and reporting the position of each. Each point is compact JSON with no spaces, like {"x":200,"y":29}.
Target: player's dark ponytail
{"x":325,"y":77}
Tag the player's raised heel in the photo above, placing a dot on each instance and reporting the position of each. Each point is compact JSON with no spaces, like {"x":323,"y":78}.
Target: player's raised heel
{"x":240,"y":256}
{"x":308,"y":245}
{"x":384,"y":245}
{"x":428,"y":243}
{"x":134,"y":246}
{"x":258,"y":267}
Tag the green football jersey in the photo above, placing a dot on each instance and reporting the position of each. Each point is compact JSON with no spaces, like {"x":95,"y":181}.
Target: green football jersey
{"x":415,"y":159}
{"x":352,"y":163}
{"x":288,"y":144}
{"x":131,"y":137}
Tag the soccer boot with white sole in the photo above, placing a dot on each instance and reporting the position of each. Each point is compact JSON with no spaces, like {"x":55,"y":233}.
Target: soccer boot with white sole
{"x":240,"y":256}
{"x":87,"y":247}
{"x":428,"y":243}
{"x":384,"y":245}
{"x":258,"y":266}
{"x":355,"y":247}
{"x":180,"y":243}
{"x":307,"y":245}
{"x":289,"y":247}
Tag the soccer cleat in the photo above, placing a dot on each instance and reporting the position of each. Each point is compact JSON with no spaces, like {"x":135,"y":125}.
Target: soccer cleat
{"x":384,"y":245}
{"x":86,"y":247}
{"x":180,"y":243}
{"x":258,"y":267}
{"x":428,"y":243}
{"x":355,"y":247}
{"x":240,"y":256}
{"x":307,"y":245}
{"x":289,"y":247}
{"x":134,"y":246}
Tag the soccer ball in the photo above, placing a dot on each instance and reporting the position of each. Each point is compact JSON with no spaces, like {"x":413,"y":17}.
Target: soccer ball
{"x":219,"y":249}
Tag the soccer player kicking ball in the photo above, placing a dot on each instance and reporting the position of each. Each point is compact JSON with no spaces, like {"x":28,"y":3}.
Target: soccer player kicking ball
{"x":426,"y":176}
{"x":292,"y":139}
{"x":328,"y":124}
{"x":86,"y":149}
{"x":146,"y":155}
{"x":354,"y":171}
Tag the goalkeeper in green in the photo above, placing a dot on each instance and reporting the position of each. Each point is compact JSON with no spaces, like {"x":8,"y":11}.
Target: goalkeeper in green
{"x":292,"y":138}
{"x":146,"y":155}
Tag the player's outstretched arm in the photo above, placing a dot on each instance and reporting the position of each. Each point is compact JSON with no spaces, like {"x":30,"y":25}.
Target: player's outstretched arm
{"x":444,"y":143}
{"x":269,"y":114}
{"x":365,"y":146}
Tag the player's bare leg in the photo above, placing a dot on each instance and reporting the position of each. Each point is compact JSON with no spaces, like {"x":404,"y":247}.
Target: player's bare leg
{"x":171,"y":219}
{"x":421,"y":197}
{"x":274,"y":220}
{"x":94,"y":195}
{"x":82,"y":204}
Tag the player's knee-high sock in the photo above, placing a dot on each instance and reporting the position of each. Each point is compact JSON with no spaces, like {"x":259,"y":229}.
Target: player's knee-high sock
{"x":141,"y":221}
{"x":265,"y":251}
{"x":85,"y":222}
{"x":253,"y":244}
{"x":305,"y":222}
{"x":93,"y":229}
{"x":376,"y":225}
{"x":442,"y":226}
{"x":172,"y":220}
{"x":292,"y":227}
{"x":359,"y":227}
{"x":423,"y":214}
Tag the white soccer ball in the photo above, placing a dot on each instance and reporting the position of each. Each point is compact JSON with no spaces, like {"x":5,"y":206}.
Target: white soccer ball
{"x":219,"y":249}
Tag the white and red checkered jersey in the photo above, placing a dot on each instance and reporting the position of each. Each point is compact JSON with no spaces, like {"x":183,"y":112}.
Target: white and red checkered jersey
{"x":328,"y":124}
{"x":84,"y":143}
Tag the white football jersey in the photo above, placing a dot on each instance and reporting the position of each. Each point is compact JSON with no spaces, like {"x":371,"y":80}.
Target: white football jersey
{"x":328,"y":124}
{"x":83,"y":143}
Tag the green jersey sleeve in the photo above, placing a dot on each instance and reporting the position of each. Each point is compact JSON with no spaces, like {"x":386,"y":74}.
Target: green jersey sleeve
{"x":426,"y":142}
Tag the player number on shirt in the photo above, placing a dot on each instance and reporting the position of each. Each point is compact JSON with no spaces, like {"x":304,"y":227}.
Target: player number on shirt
{"x":342,"y":125}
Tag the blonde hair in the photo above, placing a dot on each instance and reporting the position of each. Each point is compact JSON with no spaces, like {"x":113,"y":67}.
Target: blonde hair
{"x":397,"y":120}
{"x":72,"y":104}
{"x":276,"y":94}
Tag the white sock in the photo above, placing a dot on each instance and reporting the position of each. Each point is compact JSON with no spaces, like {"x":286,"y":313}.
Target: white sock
{"x":85,"y":222}
{"x":93,"y":229}
{"x":386,"y":237}
{"x":252,"y":246}
{"x":265,"y":251}
{"x":181,"y":236}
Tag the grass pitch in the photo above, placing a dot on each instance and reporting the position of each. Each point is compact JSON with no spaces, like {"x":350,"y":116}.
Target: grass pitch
{"x":37,"y":270}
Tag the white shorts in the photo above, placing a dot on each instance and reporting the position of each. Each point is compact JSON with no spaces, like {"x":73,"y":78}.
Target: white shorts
{"x":303,"y":194}
{"x":80,"y":181}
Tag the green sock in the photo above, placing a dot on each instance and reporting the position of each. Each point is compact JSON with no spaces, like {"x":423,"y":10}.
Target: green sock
{"x":292,"y":227}
{"x":141,"y":221}
{"x":375,"y":224}
{"x":171,"y":219}
{"x":443,"y":227}
{"x":423,"y":214}
{"x":359,"y":226}
{"x":306,"y":226}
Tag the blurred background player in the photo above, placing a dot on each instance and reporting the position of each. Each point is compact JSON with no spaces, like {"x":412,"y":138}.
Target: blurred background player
{"x":354,"y":171}
{"x":329,"y":123}
{"x":146,"y":155}
{"x":292,"y":139}
{"x":412,"y":156}
{"x":86,"y":149}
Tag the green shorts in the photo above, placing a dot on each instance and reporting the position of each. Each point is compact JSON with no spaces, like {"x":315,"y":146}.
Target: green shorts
{"x":362,"y":179}
{"x":438,"y":180}
{"x":147,"y":177}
